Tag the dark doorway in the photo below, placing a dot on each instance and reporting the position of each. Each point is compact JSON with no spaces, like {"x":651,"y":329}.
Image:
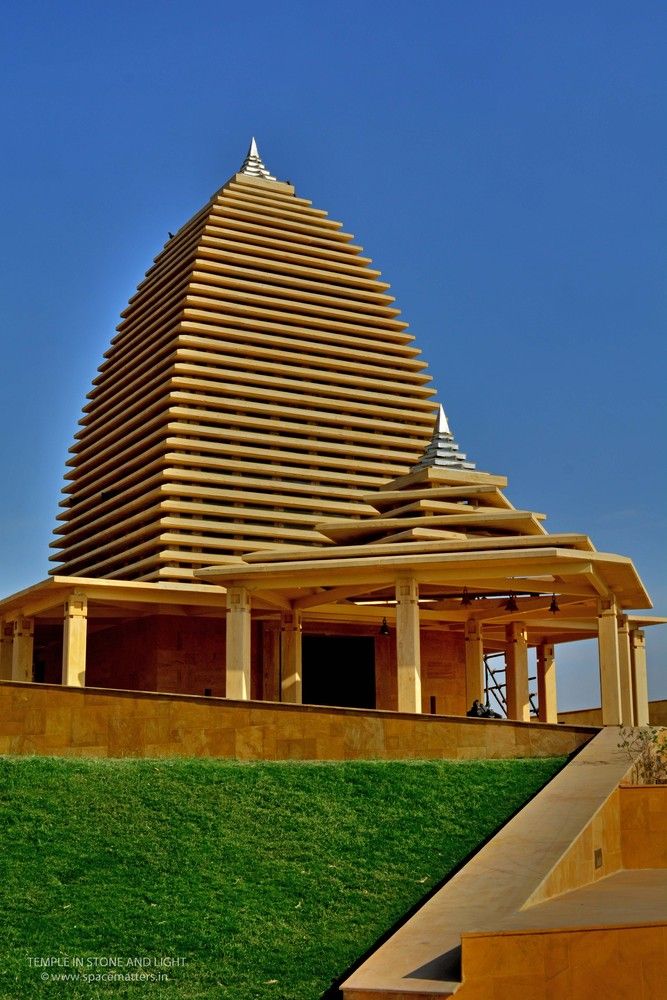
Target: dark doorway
{"x":339,"y":670}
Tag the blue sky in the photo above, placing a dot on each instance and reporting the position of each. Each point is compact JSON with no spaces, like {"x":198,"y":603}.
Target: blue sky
{"x":504,"y":163}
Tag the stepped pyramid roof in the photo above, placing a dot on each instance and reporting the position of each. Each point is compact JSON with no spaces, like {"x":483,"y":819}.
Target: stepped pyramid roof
{"x":260,"y":382}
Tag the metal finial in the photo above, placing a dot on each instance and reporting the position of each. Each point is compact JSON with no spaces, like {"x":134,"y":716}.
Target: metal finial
{"x":443,"y":451}
{"x":253,"y":164}
{"x":441,"y":423}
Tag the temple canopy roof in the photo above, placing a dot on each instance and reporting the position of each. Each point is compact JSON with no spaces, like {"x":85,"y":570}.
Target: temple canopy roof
{"x":469,"y":550}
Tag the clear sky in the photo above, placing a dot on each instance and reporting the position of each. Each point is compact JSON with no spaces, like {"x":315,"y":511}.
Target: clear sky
{"x":503,"y":162}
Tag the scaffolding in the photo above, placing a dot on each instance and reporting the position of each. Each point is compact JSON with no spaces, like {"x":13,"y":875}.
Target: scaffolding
{"x":495,"y":685}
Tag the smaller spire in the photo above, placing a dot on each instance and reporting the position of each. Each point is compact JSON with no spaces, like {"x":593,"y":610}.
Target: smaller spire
{"x":441,"y":422}
{"x":443,"y":451}
{"x":253,"y":164}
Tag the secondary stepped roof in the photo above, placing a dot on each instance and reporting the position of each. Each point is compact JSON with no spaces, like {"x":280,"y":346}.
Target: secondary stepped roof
{"x":437,"y":503}
{"x":260,"y":383}
{"x":448,"y":528}
{"x":454,"y":531}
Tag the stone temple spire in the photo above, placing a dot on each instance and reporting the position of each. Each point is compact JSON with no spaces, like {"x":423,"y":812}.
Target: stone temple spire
{"x":443,"y":451}
{"x":253,"y":164}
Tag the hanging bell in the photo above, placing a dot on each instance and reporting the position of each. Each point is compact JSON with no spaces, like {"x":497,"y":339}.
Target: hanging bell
{"x":510,"y":604}
{"x":466,"y":598}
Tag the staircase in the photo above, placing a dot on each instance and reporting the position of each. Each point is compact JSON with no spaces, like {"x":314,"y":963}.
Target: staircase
{"x":569,"y":897}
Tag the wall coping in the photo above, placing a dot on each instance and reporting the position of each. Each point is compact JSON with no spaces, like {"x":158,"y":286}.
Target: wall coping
{"x":579,"y":929}
{"x":642,"y":788}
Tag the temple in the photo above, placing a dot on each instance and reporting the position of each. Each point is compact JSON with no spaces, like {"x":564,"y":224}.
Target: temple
{"x":265,"y":501}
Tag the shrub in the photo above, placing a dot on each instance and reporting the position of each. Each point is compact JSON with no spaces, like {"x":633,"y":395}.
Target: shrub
{"x":646,"y":747}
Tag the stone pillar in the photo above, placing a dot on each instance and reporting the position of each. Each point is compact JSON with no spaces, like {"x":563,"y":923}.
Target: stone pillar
{"x":238,"y":644}
{"x":516,"y":673}
{"x":270,"y":661}
{"x":547,"y":697}
{"x":610,"y":683}
{"x":75,"y":633}
{"x":475,"y":679}
{"x":6,"y":642}
{"x":625,"y":671}
{"x":639,"y":678}
{"x":22,"y":646}
{"x":408,"y":657}
{"x":291,"y":682}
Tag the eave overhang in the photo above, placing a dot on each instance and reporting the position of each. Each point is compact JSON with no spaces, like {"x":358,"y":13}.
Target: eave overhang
{"x":536,"y":569}
{"x":125,"y":594}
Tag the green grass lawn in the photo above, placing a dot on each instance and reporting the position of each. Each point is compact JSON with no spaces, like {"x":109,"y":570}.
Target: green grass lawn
{"x":267,"y":879}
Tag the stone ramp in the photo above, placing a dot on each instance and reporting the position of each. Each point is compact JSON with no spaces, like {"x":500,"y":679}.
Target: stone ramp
{"x":625,"y":897}
{"x":550,"y":871}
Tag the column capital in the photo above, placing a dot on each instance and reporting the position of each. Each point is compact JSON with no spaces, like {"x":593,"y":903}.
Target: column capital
{"x":607,"y":606}
{"x":516,"y":632}
{"x":238,"y":598}
{"x":291,"y":620}
{"x":473,"y":628}
{"x":76,"y":605}
{"x":407,"y":588}
{"x":23,"y":626}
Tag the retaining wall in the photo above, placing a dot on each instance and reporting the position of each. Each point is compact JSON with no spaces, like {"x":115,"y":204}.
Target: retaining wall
{"x":50,"y":719}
